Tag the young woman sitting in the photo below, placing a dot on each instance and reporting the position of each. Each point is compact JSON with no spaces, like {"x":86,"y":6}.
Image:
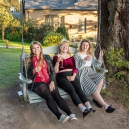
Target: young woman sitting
{"x":66,"y":71}
{"x":40,"y":67}
{"x":91,"y":81}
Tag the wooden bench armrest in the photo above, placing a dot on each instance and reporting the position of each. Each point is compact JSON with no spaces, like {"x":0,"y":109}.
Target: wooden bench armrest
{"x":23,"y":85}
{"x":102,"y":70}
{"x":23,"y":79}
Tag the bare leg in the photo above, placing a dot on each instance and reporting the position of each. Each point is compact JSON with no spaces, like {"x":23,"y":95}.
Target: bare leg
{"x":96,"y":95}
{"x":100,"y":86}
{"x":99,"y":99}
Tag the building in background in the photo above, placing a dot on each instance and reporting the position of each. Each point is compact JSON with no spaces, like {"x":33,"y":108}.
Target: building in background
{"x":78,"y":16}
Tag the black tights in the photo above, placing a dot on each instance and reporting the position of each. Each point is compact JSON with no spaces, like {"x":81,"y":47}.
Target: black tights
{"x":52,"y":99}
{"x":71,"y":87}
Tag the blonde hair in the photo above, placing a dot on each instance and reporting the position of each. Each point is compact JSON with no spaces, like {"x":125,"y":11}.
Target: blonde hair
{"x":90,"y":50}
{"x":29,"y":59}
{"x":64,"y":42}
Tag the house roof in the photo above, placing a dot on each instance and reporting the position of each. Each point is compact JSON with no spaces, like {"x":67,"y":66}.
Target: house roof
{"x":62,"y":4}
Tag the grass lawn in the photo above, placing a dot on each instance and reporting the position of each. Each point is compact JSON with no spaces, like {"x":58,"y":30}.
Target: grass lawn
{"x":9,"y":66}
{"x":14,"y":44}
{"x":10,"y":63}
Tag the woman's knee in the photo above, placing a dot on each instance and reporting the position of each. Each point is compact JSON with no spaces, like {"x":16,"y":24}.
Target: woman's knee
{"x":102,"y":80}
{"x":101,"y":83}
{"x":48,"y":97}
{"x":77,"y":88}
{"x":46,"y":94}
{"x":55,"y":92}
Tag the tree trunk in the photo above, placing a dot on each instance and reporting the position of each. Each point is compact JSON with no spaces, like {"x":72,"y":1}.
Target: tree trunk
{"x":114,"y":25}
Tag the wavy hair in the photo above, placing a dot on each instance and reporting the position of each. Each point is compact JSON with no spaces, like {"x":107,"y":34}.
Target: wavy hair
{"x":29,"y":59}
{"x":90,"y":50}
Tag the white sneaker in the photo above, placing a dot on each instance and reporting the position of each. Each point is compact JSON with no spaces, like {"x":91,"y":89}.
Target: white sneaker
{"x":73,"y":117}
{"x":64,"y":118}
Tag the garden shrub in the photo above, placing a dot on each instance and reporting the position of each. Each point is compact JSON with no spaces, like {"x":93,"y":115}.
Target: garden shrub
{"x":52,"y":39}
{"x":115,"y":58}
{"x":13,"y":34}
{"x":43,"y":31}
{"x":13,"y":37}
{"x":63,"y":31}
{"x":90,"y":38}
{"x":30,"y":35}
{"x":30,"y":29}
{"x":38,"y":34}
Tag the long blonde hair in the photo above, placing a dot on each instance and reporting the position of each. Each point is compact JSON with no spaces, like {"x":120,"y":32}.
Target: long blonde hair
{"x":64,"y":42}
{"x":90,"y":50}
{"x":29,"y":59}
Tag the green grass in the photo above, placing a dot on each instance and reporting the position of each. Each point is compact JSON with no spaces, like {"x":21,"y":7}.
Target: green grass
{"x":10,"y":62}
{"x":14,"y":44}
{"x":9,"y":67}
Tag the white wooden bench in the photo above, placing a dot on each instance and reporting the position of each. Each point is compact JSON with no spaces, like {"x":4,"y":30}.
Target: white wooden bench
{"x":29,"y":95}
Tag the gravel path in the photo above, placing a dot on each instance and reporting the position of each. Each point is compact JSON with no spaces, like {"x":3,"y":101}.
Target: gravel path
{"x":15,"y":114}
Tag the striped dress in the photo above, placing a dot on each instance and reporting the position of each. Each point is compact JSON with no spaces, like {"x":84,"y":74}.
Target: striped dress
{"x":87,"y":75}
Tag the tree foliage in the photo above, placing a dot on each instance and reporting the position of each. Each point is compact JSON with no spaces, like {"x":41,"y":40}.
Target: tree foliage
{"x":5,"y":4}
{"x":16,"y":4}
{"x":8,"y":3}
{"x":6,"y":20}
{"x":53,"y":38}
{"x":63,"y":31}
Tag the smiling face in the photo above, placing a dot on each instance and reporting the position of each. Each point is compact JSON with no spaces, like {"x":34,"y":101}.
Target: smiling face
{"x":64,"y":47}
{"x":36,"y":50}
{"x":84,"y":46}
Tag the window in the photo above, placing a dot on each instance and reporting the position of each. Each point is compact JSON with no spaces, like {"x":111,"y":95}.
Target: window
{"x":82,"y":25}
{"x":54,"y":20}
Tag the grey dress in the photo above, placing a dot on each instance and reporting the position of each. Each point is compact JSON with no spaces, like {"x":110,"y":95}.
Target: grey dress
{"x":87,"y":75}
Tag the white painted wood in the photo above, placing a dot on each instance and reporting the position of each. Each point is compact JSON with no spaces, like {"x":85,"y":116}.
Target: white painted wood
{"x":54,"y":50}
{"x":35,"y":101}
{"x":102,"y":70}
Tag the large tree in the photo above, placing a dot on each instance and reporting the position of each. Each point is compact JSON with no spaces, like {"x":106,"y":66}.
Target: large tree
{"x":6,"y":20}
{"x":16,"y":4}
{"x":114,"y":25}
{"x":8,"y":3}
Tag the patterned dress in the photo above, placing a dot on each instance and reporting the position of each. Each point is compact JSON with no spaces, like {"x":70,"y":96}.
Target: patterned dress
{"x":87,"y":75}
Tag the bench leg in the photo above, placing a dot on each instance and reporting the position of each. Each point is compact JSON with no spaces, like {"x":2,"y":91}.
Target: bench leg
{"x":24,"y":90}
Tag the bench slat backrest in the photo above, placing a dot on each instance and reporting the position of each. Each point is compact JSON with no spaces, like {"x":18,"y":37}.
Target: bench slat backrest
{"x":54,"y":50}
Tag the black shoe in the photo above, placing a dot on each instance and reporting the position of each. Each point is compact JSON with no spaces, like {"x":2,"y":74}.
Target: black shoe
{"x":85,"y":113}
{"x":88,"y":112}
{"x":97,"y":104}
{"x":92,"y":110}
{"x":110,"y":109}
